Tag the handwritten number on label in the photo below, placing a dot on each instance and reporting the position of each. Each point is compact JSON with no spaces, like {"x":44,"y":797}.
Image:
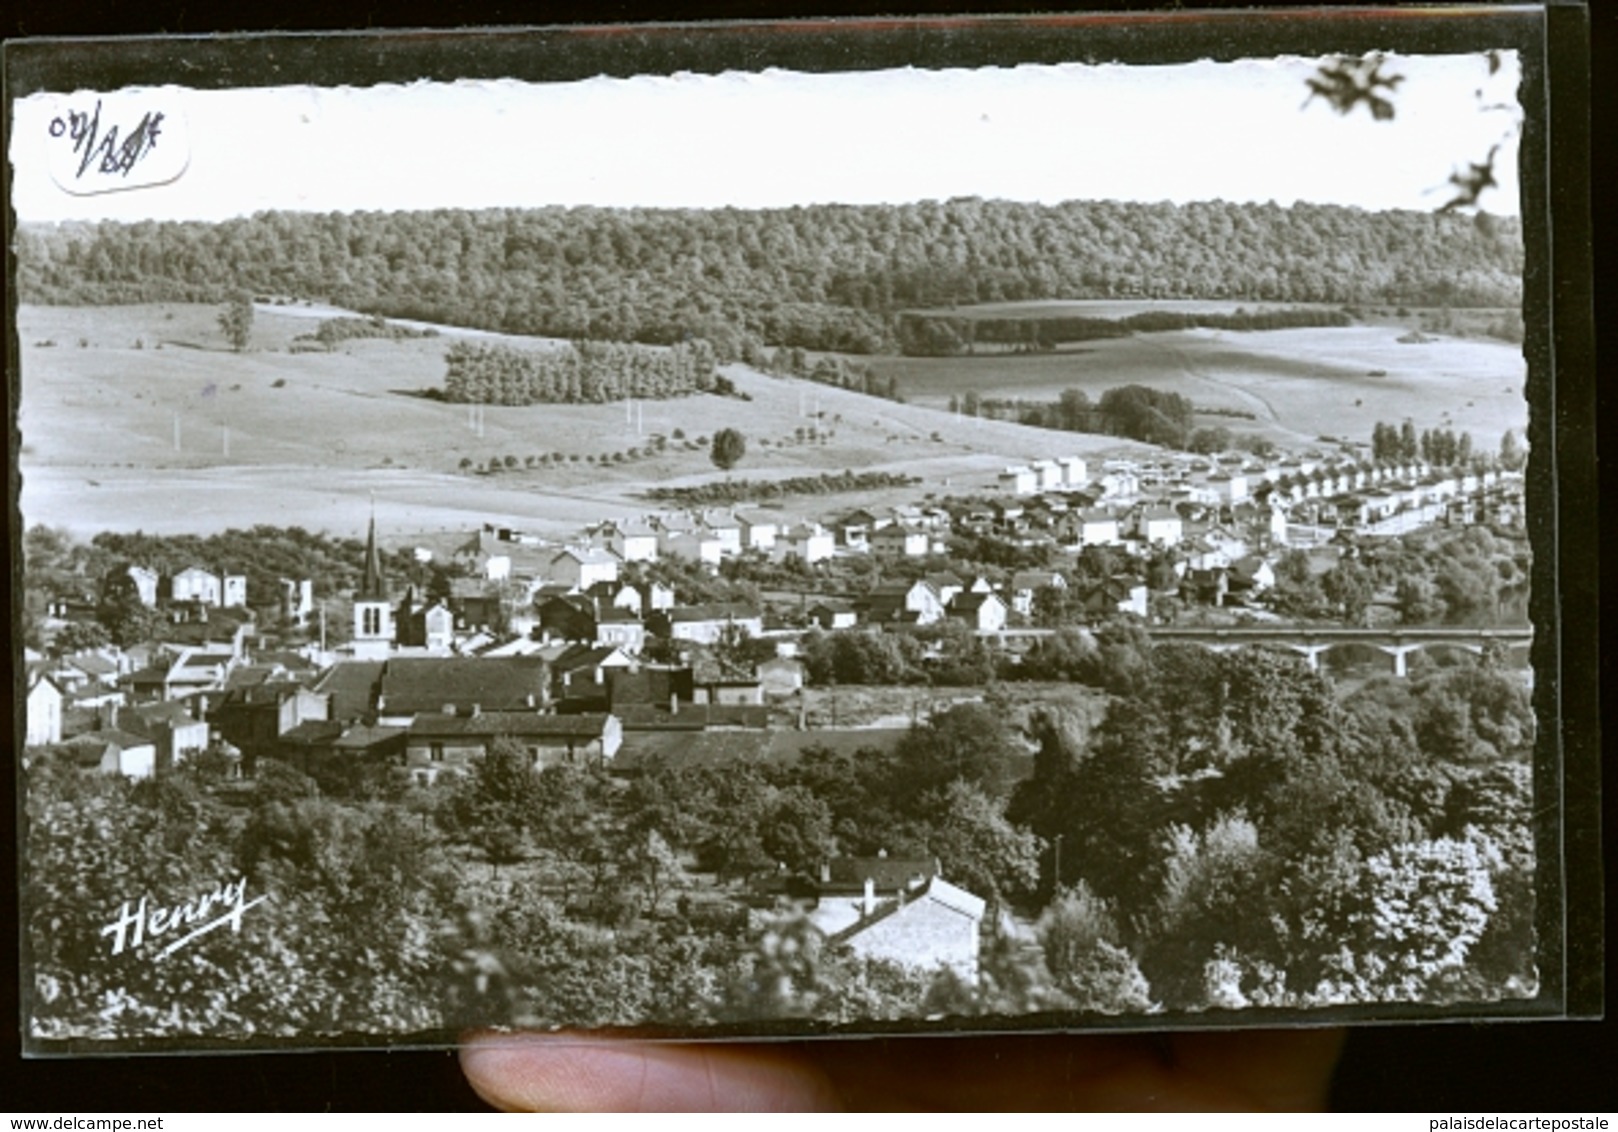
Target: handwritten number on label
{"x":107,"y":154}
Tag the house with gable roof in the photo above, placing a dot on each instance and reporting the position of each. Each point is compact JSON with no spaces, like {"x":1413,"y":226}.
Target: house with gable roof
{"x":580,"y":568}
{"x":620,"y":628}
{"x":898,"y":540}
{"x":632,"y":540}
{"x":758,"y":531}
{"x":440,"y":742}
{"x":807,"y":542}
{"x":45,"y":700}
{"x":908,"y":602}
{"x":408,"y":686}
{"x":984,"y":612}
{"x":704,"y":624}
{"x":723,"y":526}
{"x":900,"y":911}
{"x":173,"y":729}
{"x":834,"y":613}
{"x":112,"y":751}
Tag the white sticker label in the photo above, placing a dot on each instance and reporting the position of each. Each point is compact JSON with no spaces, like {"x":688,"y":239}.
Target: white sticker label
{"x":103,"y":143}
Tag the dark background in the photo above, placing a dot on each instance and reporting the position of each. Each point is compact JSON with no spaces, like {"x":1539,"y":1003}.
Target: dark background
{"x":1518,"y":1066}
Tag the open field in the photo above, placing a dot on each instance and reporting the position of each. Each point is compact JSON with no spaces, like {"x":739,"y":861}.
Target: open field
{"x":1299,"y":384}
{"x":152,"y":423}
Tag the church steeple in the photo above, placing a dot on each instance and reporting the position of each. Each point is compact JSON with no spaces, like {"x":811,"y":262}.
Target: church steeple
{"x":373,"y":586}
{"x":373,"y":616}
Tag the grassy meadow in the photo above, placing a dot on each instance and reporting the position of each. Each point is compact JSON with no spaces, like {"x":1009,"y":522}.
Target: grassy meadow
{"x":142,"y":417}
{"x":1299,"y":384}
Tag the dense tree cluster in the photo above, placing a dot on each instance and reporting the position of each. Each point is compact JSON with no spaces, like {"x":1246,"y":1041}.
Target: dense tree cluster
{"x":1139,"y":412}
{"x":825,"y":277}
{"x":830,"y":369}
{"x":332,"y":332}
{"x":1249,"y":839}
{"x":1440,"y":447}
{"x":735,"y":491}
{"x":1471,"y":576}
{"x":582,"y":372}
{"x":934,"y":335}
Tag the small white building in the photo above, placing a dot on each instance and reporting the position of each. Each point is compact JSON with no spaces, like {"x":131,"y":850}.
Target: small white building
{"x":194,"y":584}
{"x":758,"y":532}
{"x":1019,"y":479}
{"x":631,"y":540}
{"x":807,"y":542}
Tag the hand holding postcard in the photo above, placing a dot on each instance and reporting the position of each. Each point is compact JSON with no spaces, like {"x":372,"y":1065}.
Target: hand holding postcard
{"x":987,"y":539}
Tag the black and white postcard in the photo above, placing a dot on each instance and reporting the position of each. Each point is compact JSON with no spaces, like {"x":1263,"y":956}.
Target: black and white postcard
{"x":1013,"y":534}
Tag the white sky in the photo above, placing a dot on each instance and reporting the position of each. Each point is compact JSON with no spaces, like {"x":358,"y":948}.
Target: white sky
{"x":1232,"y":131}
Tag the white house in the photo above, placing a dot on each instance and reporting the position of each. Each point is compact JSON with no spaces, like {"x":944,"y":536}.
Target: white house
{"x":45,"y":700}
{"x":899,"y":541}
{"x":1160,"y":526}
{"x":1019,"y":479}
{"x":1097,"y":528}
{"x":198,"y":585}
{"x":630,"y":539}
{"x":933,"y":925}
{"x":758,"y":532}
{"x":723,"y":526}
{"x":1048,"y":473}
{"x":807,"y":542}
{"x":983,"y":612}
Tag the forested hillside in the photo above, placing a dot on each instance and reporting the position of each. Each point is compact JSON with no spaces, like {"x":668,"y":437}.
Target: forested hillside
{"x":831,"y":277}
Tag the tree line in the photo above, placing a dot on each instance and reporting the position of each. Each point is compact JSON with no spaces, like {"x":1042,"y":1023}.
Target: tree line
{"x":728,"y":492}
{"x":582,"y":372}
{"x":1138,"y":412}
{"x":943,"y":335}
{"x":824,"y":277}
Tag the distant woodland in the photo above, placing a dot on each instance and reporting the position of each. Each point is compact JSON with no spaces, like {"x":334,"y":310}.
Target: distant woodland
{"x":825,"y":277}
{"x":581,"y":372}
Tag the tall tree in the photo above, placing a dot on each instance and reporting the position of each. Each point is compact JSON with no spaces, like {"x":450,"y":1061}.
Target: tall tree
{"x":729,"y":446}
{"x":236,"y":320}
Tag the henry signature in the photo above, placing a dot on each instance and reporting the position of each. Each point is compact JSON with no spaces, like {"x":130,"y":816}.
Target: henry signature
{"x":134,"y":922}
{"x":107,"y":152}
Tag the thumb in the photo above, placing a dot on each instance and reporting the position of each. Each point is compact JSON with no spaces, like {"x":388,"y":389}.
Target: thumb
{"x":570,"y":1073}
